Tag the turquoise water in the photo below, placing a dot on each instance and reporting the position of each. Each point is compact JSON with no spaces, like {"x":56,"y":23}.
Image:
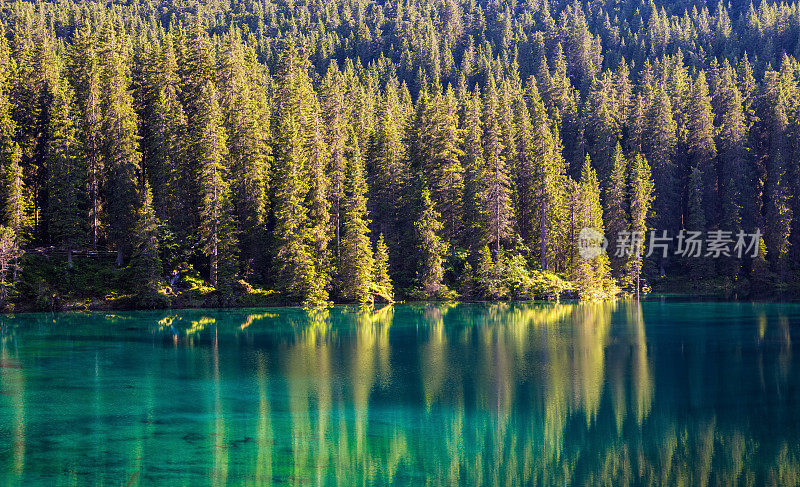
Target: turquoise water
{"x":472,"y":394}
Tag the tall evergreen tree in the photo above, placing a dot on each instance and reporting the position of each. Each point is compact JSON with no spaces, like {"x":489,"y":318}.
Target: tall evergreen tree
{"x":592,"y":274}
{"x":475,"y":204}
{"x":380,"y":274}
{"x":738,"y":207}
{"x":498,"y":188}
{"x":430,"y":247}
{"x":388,"y":169}
{"x":660,"y":151}
{"x":165,"y":146}
{"x":31,"y":97}
{"x":84,"y":67}
{"x":771,"y":139}
{"x":696,"y":220}
{"x":702,"y":149}
{"x":446,"y":175}
{"x":318,"y":203}
{"x":524,"y":170}
{"x":640,"y":197}
{"x":357,"y":259}
{"x":736,"y":172}
{"x":120,"y":139}
{"x":217,"y":229}
{"x":547,"y":180}
{"x":145,"y":260}
{"x":617,"y":209}
{"x":332,"y":96}
{"x":602,"y":131}
{"x":293,"y":261}
{"x":244,"y":106}
{"x":13,"y":204}
{"x":65,"y":172}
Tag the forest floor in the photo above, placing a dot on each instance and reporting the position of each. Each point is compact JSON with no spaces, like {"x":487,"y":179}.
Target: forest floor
{"x":47,"y":283}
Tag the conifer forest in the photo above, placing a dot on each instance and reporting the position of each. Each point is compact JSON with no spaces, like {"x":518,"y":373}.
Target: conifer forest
{"x":157,"y":153}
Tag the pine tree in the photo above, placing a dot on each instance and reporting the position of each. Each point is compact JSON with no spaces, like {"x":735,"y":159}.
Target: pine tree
{"x":661,"y":143}
{"x":10,"y":255}
{"x":388,"y":169}
{"x":547,"y":179}
{"x":357,"y":259}
{"x":65,"y":172}
{"x":318,"y":203}
{"x":746,"y":82}
{"x":594,"y":274}
{"x":165,"y":146}
{"x":84,"y":66}
{"x":420,"y":134}
{"x":602,"y":131}
{"x":12,"y":190}
{"x":616,"y":210}
{"x":120,"y":143}
{"x":446,"y":175}
{"x":30,"y":99}
{"x":146,"y":261}
{"x":14,"y":201}
{"x":623,"y":91}
{"x":560,"y":99}
{"x":195,"y":61}
{"x":217,"y":228}
{"x":525,"y":168}
{"x":380,"y":273}
{"x":430,"y":247}
{"x":293,"y":261}
{"x":736,"y":181}
{"x":244,"y":108}
{"x":498,"y":188}
{"x":640,"y":196}
{"x":736,"y":178}
{"x":773,"y":147}
{"x":332,"y":97}
{"x":636,"y":126}
{"x":508,"y":129}
{"x":196,"y":64}
{"x":696,"y":219}
{"x":702,"y":150}
{"x":475,"y":204}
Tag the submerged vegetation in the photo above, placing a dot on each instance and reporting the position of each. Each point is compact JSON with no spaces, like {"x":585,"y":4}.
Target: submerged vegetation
{"x":360,"y":151}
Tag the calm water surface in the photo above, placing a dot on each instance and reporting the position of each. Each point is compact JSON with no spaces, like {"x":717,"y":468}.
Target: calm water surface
{"x":473,"y":394}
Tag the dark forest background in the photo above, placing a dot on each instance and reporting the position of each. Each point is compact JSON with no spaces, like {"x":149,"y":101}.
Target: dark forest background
{"x":347,"y":150}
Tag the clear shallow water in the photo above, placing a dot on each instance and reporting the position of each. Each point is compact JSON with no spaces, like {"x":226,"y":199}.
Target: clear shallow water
{"x":657,"y":393}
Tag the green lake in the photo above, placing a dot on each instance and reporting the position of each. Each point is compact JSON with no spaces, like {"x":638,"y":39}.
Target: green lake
{"x":658,"y":393}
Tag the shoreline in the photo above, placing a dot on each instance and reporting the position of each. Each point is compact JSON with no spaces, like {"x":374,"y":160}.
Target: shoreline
{"x":109,"y":306}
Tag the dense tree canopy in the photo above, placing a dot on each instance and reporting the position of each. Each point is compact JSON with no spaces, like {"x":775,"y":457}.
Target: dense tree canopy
{"x":338,"y":150}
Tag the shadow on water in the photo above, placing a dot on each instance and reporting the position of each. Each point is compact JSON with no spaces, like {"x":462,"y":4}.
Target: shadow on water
{"x":662,"y":392}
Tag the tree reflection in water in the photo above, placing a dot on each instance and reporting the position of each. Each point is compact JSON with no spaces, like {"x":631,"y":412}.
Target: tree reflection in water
{"x":502,"y":394}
